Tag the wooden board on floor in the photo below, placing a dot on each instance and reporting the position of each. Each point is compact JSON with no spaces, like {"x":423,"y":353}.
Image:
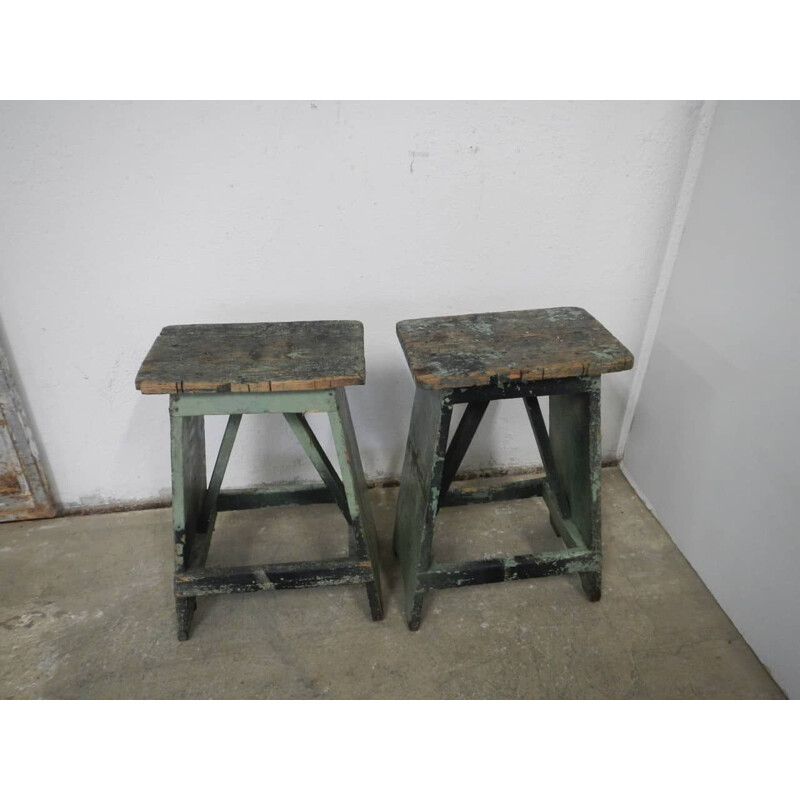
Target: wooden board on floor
{"x":24,"y":490}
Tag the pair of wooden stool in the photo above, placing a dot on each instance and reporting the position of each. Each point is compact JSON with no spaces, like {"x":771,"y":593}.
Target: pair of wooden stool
{"x":294,"y":368}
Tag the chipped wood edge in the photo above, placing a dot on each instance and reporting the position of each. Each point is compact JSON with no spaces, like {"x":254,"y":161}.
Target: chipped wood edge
{"x":575,"y":369}
{"x":192,"y":387}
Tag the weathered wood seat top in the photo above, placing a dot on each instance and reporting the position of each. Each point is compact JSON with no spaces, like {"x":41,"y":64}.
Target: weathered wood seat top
{"x":254,"y":357}
{"x":481,"y":349}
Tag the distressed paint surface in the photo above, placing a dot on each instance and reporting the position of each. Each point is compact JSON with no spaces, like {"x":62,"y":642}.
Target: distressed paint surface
{"x":479,"y":358}
{"x":282,"y":494}
{"x":538,"y":344}
{"x":195,"y":506}
{"x":188,"y":453}
{"x":510,"y":568}
{"x":362,"y":525}
{"x":571,"y":490}
{"x":514,"y":490}
{"x":191,"y":405}
{"x":297,"y":575}
{"x":418,"y":498}
{"x":254,"y":357}
{"x":575,"y":442}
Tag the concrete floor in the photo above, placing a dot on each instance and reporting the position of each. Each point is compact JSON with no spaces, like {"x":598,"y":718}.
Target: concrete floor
{"x":87,"y":612}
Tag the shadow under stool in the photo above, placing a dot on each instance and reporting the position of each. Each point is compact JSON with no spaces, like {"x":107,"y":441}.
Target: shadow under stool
{"x":289,"y":368}
{"x":475,"y":359}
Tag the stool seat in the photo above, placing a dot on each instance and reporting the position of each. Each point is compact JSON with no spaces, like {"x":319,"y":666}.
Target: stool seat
{"x":476,"y":359}
{"x":254,"y":357}
{"x":486,"y":349}
{"x":287,"y":368}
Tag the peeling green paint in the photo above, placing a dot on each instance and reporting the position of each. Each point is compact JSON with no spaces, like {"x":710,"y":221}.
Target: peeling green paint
{"x":571,"y":450}
{"x":195,"y":507}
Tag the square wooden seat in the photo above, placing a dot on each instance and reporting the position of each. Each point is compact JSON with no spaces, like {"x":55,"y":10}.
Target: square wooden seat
{"x":254,"y":357}
{"x":488,"y":349}
{"x":290,"y":368}
{"x":475,"y":359}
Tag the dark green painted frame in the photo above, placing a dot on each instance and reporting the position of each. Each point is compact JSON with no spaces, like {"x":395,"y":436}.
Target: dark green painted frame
{"x":571,"y":488}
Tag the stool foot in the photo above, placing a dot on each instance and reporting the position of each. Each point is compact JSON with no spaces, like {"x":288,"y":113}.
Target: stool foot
{"x":185,"y":608}
{"x":592,"y":585}
{"x":375,"y":602}
{"x":414,"y":611}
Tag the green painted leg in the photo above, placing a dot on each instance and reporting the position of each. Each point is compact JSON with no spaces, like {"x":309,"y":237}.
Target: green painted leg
{"x":418,"y":498}
{"x":187,"y":435}
{"x":362,"y":525}
{"x":575,"y":443}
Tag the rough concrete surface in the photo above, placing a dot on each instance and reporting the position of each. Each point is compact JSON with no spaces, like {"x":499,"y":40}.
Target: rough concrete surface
{"x":86,"y":611}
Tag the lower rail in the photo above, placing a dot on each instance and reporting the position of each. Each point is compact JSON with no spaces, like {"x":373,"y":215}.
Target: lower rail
{"x":513,"y":490}
{"x":510,"y":568}
{"x":297,"y":575}
{"x":293,"y":494}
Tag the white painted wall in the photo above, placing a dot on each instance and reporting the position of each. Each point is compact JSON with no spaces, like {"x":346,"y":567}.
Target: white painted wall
{"x":715,"y":438}
{"x":119,"y":218}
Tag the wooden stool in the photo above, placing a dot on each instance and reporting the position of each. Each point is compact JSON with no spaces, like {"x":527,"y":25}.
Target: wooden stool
{"x":477,"y":358}
{"x":283,"y":367}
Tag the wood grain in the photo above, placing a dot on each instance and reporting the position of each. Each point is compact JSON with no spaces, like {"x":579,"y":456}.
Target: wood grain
{"x":487,"y":349}
{"x":254,"y":357}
